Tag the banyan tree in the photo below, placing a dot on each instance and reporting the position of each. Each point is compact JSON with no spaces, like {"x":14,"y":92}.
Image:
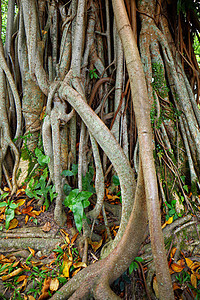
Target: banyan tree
{"x":113,"y":85}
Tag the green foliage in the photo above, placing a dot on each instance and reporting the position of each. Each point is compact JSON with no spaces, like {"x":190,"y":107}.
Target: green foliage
{"x":159,"y":82}
{"x":184,"y":5}
{"x":196,"y":46}
{"x":38,"y":188}
{"x":77,"y":201}
{"x":93,"y":74}
{"x":172,"y":209}
{"x":10,"y":209}
{"x":134,"y":265}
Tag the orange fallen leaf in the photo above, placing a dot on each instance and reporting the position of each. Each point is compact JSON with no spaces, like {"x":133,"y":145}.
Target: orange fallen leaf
{"x":194,"y":280}
{"x":26,"y":219}
{"x":95,"y":245}
{"x":176,"y":286}
{"x":20,"y":202}
{"x":74,"y":238}
{"x":21,"y":278}
{"x":176,"y":268}
{"x":67,"y":263}
{"x":169,"y":221}
{"x":80,"y":264}
{"x":6,"y":189}
{"x":173,"y":251}
{"x":12,"y":274}
{"x":189,"y":262}
{"x":32,"y":251}
{"x":46,"y":227}
{"x":76,"y":271}
{"x":30,"y":297}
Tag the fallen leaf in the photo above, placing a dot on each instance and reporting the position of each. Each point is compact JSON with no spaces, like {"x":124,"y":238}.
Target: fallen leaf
{"x":169,"y":221}
{"x":176,"y":268}
{"x":189,"y":262}
{"x":176,"y":286}
{"x":32,"y":251}
{"x":13,"y":224}
{"x":194,"y":280}
{"x":95,"y":245}
{"x":30,"y":297}
{"x":20,"y":202}
{"x":173,"y":251}
{"x":6,"y":189}
{"x":76,"y":271}
{"x":80,"y":264}
{"x":62,"y":231}
{"x":67,"y":263}
{"x":26,"y":219}
{"x":44,"y":296}
{"x":54,"y":284}
{"x":46,"y":227}
{"x":12,"y":274}
{"x":36,"y":212}
{"x":74,"y":238}
{"x":20,"y":191}
{"x":21,"y":278}
{"x":155,"y":287}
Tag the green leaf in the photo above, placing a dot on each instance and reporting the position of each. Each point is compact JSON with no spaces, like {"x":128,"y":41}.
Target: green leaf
{"x":131,"y":268}
{"x":116,"y":180}
{"x":78,"y":215}
{"x":185,"y":187}
{"x":71,"y":198}
{"x":4,"y":195}
{"x":84,"y":195}
{"x":67,"y":173}
{"x":13,"y":205}
{"x":67,"y":189}
{"x":2,"y":204}
{"x":10,"y":214}
{"x":42,"y":158}
{"x":75,"y":169}
{"x":138,"y":258}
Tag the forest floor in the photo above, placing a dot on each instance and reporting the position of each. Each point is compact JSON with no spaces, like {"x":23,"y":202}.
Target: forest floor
{"x":37,"y":256}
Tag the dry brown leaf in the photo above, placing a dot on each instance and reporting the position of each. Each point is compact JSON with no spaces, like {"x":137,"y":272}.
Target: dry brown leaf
{"x":176,"y":268}
{"x":44,"y":296}
{"x":75,"y":272}
{"x":80,"y":264}
{"x":13,"y":224}
{"x":95,"y":245}
{"x":176,"y":286}
{"x":173,"y":251}
{"x":54,"y":284}
{"x":46,"y":227}
{"x":26,"y":219}
{"x":155,"y":287}
{"x":6,"y":189}
{"x":194,"y":280}
{"x":74,"y":238}
{"x":195,"y":265}
{"x":189,"y":262}
{"x":20,"y":202}
{"x":21,"y":278}
{"x":32,"y":251}
{"x":30,"y":297}
{"x":67,"y":263}
{"x":46,"y":285}
{"x":12,"y":274}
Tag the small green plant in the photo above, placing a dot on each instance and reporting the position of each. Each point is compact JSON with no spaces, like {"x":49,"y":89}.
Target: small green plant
{"x":93,"y":74}
{"x":134,"y":265}
{"x":172,"y":210}
{"x":77,"y":201}
{"x":10,"y":209}
{"x":183,"y":277}
{"x":38,"y":188}
{"x":116,"y":182}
